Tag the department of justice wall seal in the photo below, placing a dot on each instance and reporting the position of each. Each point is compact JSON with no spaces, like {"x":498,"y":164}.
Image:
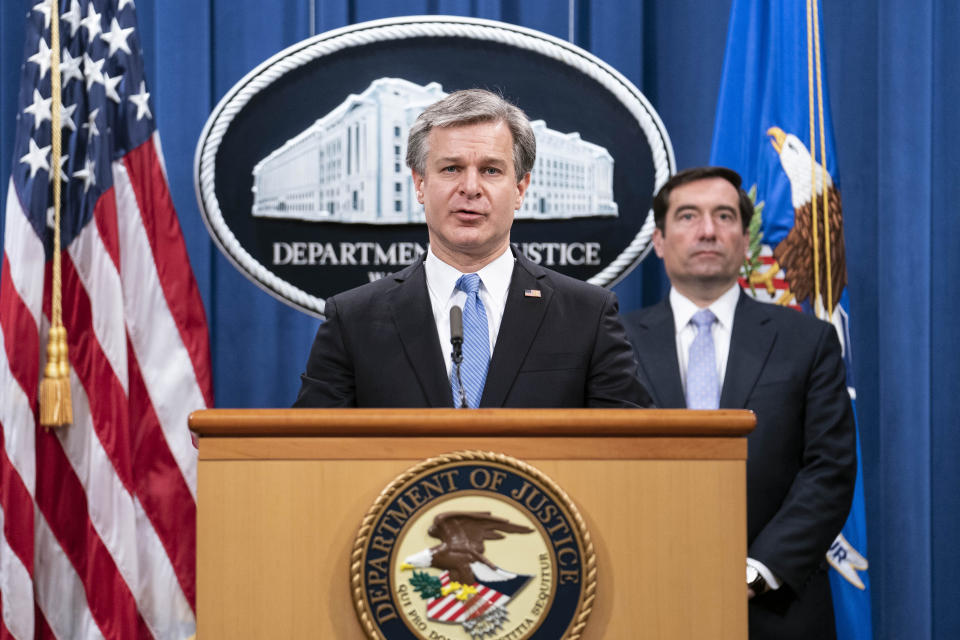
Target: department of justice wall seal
{"x":301,"y":174}
{"x":473,"y":546}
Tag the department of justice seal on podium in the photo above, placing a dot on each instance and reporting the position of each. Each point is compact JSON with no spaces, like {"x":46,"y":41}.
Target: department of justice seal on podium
{"x":473,"y":546}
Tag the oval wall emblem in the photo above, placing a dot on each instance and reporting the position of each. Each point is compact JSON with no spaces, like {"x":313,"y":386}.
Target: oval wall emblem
{"x":473,"y":545}
{"x":300,"y":169}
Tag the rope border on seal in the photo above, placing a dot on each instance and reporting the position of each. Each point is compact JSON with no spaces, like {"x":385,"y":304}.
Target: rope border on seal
{"x":398,"y":29}
{"x":587,"y":596}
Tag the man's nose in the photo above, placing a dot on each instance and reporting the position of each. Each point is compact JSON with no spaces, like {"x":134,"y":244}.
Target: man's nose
{"x":470,"y":182}
{"x":707,"y":227}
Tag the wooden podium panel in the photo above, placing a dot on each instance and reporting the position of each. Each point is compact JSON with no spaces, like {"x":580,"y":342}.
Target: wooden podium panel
{"x":282,"y":495}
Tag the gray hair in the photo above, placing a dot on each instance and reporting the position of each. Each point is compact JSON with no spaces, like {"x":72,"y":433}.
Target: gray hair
{"x":472,"y":106}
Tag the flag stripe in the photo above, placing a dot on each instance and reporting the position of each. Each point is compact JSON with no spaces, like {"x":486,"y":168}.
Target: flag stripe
{"x":163,"y":360}
{"x":23,"y":252}
{"x":171,"y":615}
{"x":162,"y":490}
{"x":60,"y":592}
{"x":117,"y":518}
{"x":19,"y":376}
{"x":15,"y":585}
{"x":94,"y":372}
{"x":16,"y":505}
{"x":170,"y":256}
{"x":109,"y":507}
{"x":22,"y":270}
{"x":61,"y":492}
{"x":43,"y":630}
{"x":103,"y":297}
{"x":17,"y":464}
{"x":4,"y":632}
{"x":20,"y":341}
{"x":175,"y":519}
{"x":61,"y":500}
{"x":110,"y":483}
{"x":105,"y":215}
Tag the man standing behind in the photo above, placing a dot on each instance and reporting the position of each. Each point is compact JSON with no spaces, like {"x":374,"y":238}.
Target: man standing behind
{"x":709,"y":346}
{"x":531,"y":337}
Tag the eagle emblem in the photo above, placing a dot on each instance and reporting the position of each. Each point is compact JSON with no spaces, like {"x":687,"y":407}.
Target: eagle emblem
{"x":471,"y":590}
{"x":812,"y":257}
{"x":812,"y":261}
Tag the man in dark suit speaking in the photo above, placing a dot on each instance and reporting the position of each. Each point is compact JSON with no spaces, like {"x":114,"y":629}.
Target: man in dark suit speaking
{"x":530,"y":337}
{"x":709,"y":346}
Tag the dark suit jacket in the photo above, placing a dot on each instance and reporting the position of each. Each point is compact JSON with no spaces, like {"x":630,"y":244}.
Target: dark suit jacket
{"x":379,"y":347}
{"x":788,"y":368}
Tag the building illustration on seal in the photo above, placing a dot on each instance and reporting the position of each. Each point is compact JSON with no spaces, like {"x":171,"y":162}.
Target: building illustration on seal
{"x":349,"y":166}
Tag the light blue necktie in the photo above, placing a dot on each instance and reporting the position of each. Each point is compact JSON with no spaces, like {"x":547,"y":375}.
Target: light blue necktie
{"x":476,"y":344}
{"x":703,"y":388}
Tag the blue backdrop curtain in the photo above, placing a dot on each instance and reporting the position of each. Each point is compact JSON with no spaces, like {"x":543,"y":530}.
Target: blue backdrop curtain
{"x":895,"y":84}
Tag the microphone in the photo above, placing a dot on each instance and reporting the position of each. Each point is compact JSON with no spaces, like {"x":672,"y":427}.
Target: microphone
{"x":456,"y":339}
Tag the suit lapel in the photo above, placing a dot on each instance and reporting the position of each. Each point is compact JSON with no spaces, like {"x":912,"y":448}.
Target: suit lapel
{"x":522,"y":317}
{"x":413,"y":315}
{"x":750,"y":344}
{"x":657,"y":356}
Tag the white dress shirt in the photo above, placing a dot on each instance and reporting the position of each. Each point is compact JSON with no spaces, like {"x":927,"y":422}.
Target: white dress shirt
{"x":724,"y":309}
{"x":442,"y":282}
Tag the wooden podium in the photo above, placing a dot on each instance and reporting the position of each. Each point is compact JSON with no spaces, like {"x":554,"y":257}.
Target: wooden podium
{"x":281,"y":495}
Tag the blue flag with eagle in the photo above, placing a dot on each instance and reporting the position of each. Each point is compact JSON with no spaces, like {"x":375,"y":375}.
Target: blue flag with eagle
{"x":773,"y":126}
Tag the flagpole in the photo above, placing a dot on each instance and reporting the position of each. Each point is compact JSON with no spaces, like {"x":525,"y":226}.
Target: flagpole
{"x":828,"y":275}
{"x":813,"y":164}
{"x":55,"y":406}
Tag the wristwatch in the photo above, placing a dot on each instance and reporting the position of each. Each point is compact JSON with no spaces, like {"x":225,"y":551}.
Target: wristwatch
{"x":755,"y":581}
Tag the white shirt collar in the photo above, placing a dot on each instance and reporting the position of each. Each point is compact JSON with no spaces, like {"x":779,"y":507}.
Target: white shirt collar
{"x":495,"y":277}
{"x":495,"y":284}
{"x":723,"y":308}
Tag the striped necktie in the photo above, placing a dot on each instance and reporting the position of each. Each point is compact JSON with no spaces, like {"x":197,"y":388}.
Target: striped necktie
{"x":476,"y":344}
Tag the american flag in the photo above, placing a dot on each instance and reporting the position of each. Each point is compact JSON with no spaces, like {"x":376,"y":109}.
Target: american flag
{"x":98,"y":518}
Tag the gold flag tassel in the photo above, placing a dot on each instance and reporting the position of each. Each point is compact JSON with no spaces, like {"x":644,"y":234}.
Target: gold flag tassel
{"x":55,"y":406}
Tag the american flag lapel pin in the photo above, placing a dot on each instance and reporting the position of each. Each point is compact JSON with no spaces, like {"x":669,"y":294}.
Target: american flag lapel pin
{"x":531,"y":293}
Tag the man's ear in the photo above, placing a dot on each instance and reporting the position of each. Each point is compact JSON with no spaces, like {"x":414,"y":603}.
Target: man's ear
{"x":417,"y":185}
{"x":658,"y":242}
{"x":522,"y":190}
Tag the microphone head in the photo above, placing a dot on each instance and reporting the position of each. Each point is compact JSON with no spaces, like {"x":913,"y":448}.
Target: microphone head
{"x":456,"y":323}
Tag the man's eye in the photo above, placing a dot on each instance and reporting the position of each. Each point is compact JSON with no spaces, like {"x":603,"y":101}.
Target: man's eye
{"x":450,"y":169}
{"x":492,"y":171}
